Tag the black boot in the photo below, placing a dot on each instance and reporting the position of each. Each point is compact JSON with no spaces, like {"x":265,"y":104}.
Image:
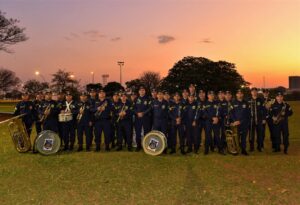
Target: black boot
{"x":130,"y":149}
{"x":206,"y":151}
{"x":173,"y":151}
{"x":285,"y":150}
{"x":119,"y":148}
{"x":97,"y":148}
{"x":244,"y":152}
{"x":182,"y":151}
{"x":138,"y":148}
{"x":107,"y":148}
{"x":79,"y":148}
{"x":66,"y":148}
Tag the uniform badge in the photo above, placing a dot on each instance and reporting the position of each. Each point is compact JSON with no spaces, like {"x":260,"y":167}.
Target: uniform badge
{"x":244,"y":106}
{"x":145,"y":103}
{"x":194,"y":107}
{"x":163,"y":107}
{"x":258,"y":103}
{"x":52,"y":106}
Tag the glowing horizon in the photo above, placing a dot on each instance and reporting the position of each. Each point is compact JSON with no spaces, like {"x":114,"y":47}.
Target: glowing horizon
{"x":260,"y":37}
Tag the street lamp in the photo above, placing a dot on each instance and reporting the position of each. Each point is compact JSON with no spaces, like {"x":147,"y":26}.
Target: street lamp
{"x":37,"y":73}
{"x":121,"y":63}
{"x":93,"y":76}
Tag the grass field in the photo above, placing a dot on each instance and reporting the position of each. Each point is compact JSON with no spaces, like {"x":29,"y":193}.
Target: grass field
{"x":136,"y":178}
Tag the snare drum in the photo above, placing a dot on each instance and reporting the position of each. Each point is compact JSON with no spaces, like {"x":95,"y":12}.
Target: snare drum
{"x":154,"y":143}
{"x":47,"y":142}
{"x":65,"y":117}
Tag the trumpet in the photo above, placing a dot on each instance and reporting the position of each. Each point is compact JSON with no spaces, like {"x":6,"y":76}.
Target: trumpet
{"x":80,"y":114}
{"x":121,"y":116}
{"x":99,"y":111}
{"x":46,"y":113}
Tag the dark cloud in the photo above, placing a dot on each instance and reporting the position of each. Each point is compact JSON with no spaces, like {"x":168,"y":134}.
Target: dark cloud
{"x":206,"y":40}
{"x":163,"y":39}
{"x":94,"y":34}
{"x":115,"y":39}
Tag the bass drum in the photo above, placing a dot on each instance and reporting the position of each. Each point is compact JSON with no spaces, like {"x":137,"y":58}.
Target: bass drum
{"x":47,"y":142}
{"x":154,"y":143}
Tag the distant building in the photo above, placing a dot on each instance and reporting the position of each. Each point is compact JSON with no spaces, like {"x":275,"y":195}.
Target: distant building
{"x":294,"y":83}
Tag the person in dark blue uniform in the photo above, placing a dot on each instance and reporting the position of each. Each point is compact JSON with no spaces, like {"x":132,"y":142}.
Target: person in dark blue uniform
{"x":60,"y":102}
{"x":201,"y":104}
{"x":160,"y":114}
{"x":240,"y":116}
{"x":92,"y":99}
{"x":226,"y":113}
{"x":102,"y":113}
{"x":39,"y":98}
{"x":175,"y":113}
{"x":25,"y":106}
{"x":114,"y":129}
{"x":124,"y":122}
{"x":49,"y":113}
{"x":69,"y":127}
{"x":268,"y":103}
{"x":258,"y":119}
{"x":280,"y":111}
{"x":191,"y":118}
{"x":222,"y":104}
{"x":84,"y":122}
{"x":142,"y":111}
{"x":211,"y":114}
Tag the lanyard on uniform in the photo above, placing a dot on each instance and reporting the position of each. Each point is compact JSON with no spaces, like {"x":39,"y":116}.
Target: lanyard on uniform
{"x":68,"y":106}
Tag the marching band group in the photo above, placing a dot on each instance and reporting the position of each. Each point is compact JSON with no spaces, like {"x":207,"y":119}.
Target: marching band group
{"x":125,"y":118}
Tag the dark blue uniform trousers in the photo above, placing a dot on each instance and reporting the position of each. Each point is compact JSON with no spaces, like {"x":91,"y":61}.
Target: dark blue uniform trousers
{"x":68,"y":133}
{"x":102,"y":125}
{"x":143,"y":122}
{"x":125,"y":132}
{"x":84,"y":128}
{"x":214,"y":140}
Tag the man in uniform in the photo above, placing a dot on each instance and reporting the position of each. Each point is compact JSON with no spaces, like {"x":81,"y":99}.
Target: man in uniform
{"x":27,"y":108}
{"x":268,"y":103}
{"x":39,"y":98}
{"x":133,"y":97}
{"x":211,"y":114}
{"x":124,"y":122}
{"x":115,"y":107}
{"x":201,"y":104}
{"x":258,"y":119}
{"x":142,"y":111}
{"x":92,"y":99}
{"x":49,"y":113}
{"x":175,"y":113}
{"x":102,"y":114}
{"x":223,"y":105}
{"x":280,"y":111}
{"x":84,"y":122}
{"x":240,"y":116}
{"x":60,"y":102}
{"x":69,"y":127}
{"x":226,"y":113}
{"x":191,"y":119}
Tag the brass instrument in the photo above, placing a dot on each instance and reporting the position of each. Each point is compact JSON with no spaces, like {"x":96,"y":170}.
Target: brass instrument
{"x":99,"y":112}
{"x":18,"y":133}
{"x":122,"y":110}
{"x":46,"y":113}
{"x":232,"y":139}
{"x":280,"y":116}
{"x":80,"y":114}
{"x":269,"y":103}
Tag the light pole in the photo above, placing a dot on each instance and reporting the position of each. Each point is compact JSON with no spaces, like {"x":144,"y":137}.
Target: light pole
{"x":121,"y":64}
{"x":72,"y":77}
{"x":37,"y":73}
{"x":93,"y":76}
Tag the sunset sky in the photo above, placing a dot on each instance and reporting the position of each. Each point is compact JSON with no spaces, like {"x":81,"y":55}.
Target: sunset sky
{"x":262,"y":37}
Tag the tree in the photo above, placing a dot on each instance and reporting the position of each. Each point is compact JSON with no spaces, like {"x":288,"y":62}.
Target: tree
{"x":8,"y":79}
{"x":206,"y":74}
{"x":112,"y":87}
{"x":95,"y":86}
{"x":133,"y":84}
{"x":34,"y":86}
{"x":63,"y":81}
{"x":10,"y":33}
{"x":150,"y":80}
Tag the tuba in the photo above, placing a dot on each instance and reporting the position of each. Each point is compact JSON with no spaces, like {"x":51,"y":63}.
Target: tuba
{"x":232,"y":139}
{"x":19,"y":134}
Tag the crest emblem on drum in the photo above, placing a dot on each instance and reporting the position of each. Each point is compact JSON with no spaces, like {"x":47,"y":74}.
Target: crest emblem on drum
{"x":153,"y":144}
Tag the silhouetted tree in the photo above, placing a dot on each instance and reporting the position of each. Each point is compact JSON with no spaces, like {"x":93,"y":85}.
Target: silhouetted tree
{"x":112,"y":87}
{"x":33,"y":86}
{"x":8,"y":79}
{"x":10,"y":32}
{"x":150,"y":80}
{"x":63,"y":81}
{"x":206,"y":74}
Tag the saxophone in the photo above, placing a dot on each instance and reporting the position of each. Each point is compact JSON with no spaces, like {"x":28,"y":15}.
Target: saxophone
{"x":277,"y":119}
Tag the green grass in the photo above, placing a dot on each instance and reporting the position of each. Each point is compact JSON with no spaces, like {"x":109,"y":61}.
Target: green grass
{"x":136,"y":178}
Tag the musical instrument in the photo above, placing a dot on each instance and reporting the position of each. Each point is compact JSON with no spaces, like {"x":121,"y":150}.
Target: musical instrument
{"x":18,"y":133}
{"x":232,"y":139}
{"x":269,"y":103}
{"x":277,"y":119}
{"x":46,"y":113}
{"x":47,"y":142}
{"x":65,"y":117}
{"x":80,"y":114}
{"x":154,"y":143}
{"x":99,"y":111}
{"x":122,"y":110}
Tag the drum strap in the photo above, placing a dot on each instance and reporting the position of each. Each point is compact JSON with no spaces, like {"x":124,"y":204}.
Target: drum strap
{"x":68,"y":106}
